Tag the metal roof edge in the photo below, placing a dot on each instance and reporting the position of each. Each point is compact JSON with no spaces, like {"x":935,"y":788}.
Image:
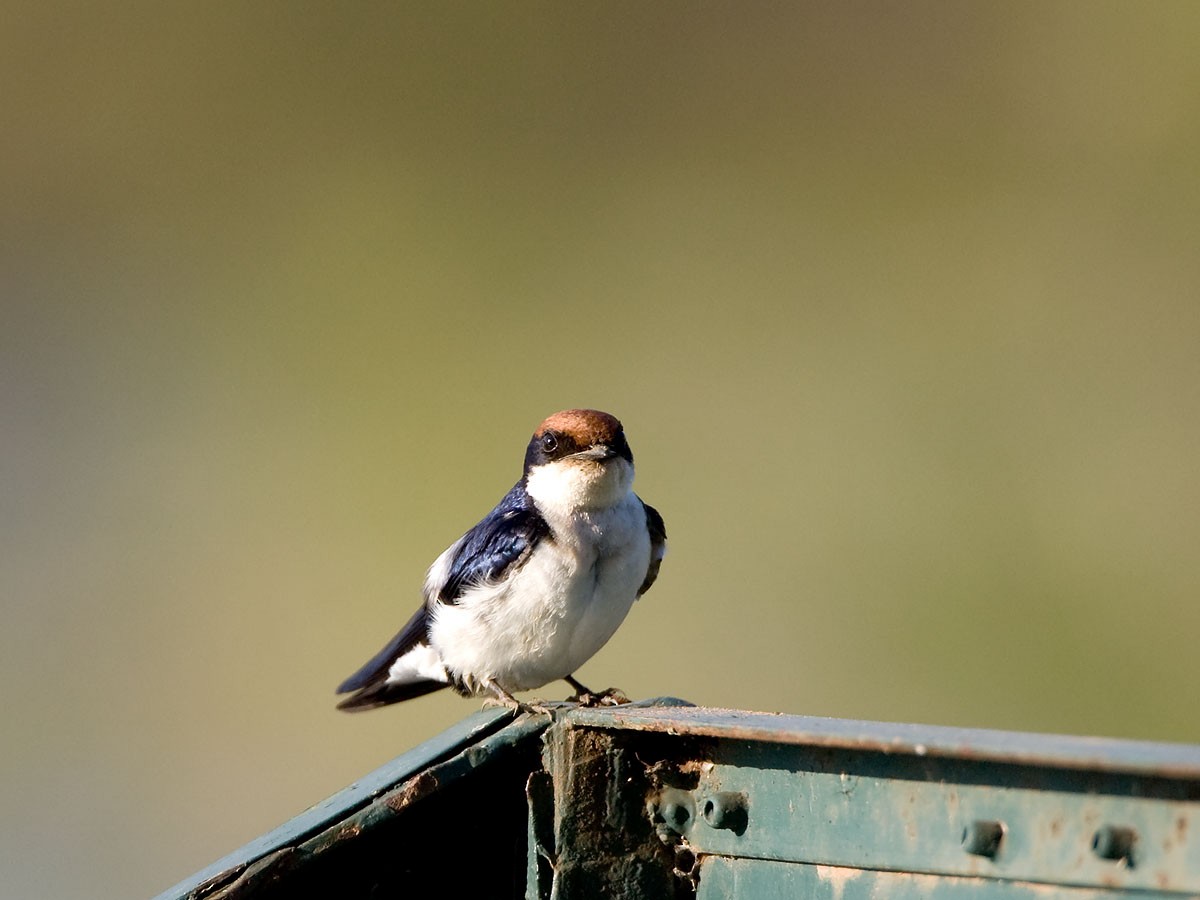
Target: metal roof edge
{"x":470,"y":742}
{"x":1115,"y":755}
{"x":459,"y":737}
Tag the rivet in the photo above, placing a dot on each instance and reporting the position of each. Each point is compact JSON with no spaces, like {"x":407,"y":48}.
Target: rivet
{"x":725,"y":809}
{"x":982,"y":837}
{"x":1115,"y":842}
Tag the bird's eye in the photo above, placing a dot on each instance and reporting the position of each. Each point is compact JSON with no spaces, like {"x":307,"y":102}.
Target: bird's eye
{"x":549,"y":442}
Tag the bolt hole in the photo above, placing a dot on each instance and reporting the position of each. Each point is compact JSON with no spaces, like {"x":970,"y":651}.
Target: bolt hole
{"x":1115,"y":843}
{"x":726,"y":809}
{"x":983,"y":837}
{"x":677,"y":816}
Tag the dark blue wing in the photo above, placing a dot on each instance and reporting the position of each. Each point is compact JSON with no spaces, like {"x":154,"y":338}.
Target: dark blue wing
{"x":376,"y":668}
{"x":503,"y":539}
{"x":658,"y":545}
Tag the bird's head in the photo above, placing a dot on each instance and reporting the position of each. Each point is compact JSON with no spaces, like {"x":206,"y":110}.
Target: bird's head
{"x":578,"y":459}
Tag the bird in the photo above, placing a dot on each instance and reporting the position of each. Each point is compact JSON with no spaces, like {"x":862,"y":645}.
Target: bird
{"x":538,"y":586}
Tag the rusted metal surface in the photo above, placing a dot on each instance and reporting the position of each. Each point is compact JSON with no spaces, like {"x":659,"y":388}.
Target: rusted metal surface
{"x":595,"y":839}
{"x":946,"y":817}
{"x":1180,"y":761}
{"x":722,"y":878}
{"x":981,"y":808}
{"x":664,"y":800}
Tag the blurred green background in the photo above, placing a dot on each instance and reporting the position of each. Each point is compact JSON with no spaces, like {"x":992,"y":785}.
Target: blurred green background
{"x":899,"y":303}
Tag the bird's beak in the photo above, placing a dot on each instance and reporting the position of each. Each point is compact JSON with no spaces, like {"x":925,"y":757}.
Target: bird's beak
{"x":599,"y":452}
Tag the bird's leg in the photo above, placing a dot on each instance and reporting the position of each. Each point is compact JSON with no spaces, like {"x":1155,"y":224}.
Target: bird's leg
{"x":501,"y":697}
{"x":580,"y":690}
{"x":504,"y":698}
{"x":586,"y":697}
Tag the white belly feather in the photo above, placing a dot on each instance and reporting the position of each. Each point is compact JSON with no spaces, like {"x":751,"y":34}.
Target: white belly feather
{"x":557,"y":610}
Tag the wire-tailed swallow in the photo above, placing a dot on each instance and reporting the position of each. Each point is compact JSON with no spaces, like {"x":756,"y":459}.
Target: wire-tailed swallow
{"x":529,"y":594}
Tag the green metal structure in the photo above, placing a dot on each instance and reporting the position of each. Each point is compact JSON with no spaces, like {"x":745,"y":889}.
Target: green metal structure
{"x":667,"y":800}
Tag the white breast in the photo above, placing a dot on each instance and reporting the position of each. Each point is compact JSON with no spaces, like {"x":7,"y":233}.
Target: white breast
{"x":559,"y":608}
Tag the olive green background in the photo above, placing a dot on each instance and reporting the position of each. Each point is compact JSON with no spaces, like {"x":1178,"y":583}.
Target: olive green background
{"x":899,"y":303}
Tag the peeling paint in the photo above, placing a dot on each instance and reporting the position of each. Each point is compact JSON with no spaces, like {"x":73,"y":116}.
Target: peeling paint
{"x":837,"y":878}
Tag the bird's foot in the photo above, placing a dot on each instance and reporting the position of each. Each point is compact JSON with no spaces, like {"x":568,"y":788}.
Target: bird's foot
{"x":501,"y":703}
{"x":540,"y":708}
{"x":585,"y":696}
{"x":609,"y":697}
{"x":503,"y":699}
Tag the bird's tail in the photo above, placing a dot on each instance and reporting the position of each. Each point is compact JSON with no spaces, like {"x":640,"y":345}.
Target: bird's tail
{"x":383,"y":692}
{"x":407,"y":667}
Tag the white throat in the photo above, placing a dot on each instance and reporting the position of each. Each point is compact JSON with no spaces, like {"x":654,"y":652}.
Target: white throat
{"x":569,"y":486}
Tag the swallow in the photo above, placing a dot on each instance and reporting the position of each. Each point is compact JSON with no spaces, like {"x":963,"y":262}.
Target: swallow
{"x":535,"y":589}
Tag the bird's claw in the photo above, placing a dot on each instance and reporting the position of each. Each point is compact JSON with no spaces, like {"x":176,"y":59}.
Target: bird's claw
{"x":608,"y":697}
{"x":517,"y":707}
{"x":538,"y":708}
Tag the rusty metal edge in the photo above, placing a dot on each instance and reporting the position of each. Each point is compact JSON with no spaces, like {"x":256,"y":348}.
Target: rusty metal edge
{"x":1111,"y":755}
{"x":460,"y":738}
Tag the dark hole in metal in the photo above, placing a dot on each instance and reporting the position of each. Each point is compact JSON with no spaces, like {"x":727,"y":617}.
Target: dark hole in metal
{"x":983,"y":837}
{"x":685,"y":860}
{"x":1115,"y":842}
